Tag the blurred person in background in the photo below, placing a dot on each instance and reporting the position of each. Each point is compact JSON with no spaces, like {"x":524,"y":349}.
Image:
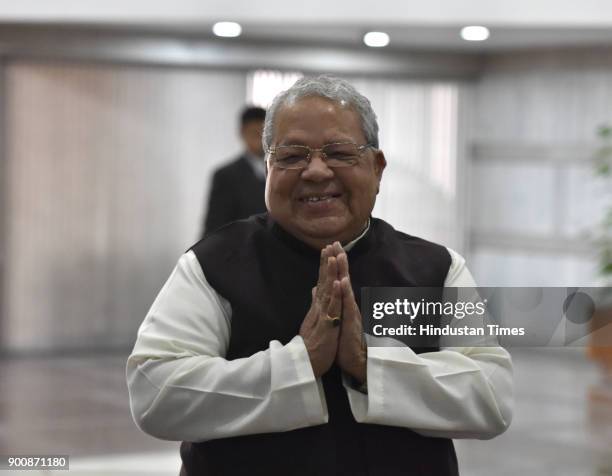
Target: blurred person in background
{"x":253,"y":353}
{"x":237,"y":189}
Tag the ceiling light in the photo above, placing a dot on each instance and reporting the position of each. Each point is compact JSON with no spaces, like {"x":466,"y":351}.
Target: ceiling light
{"x":475,"y":33}
{"x":376,"y":39}
{"x":227,"y":29}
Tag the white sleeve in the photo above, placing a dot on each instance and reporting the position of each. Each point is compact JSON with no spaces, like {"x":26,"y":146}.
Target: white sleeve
{"x":182,"y":388}
{"x":457,"y":392}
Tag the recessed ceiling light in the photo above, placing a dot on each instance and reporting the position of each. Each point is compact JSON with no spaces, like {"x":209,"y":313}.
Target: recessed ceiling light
{"x":475,"y":33}
{"x":376,"y":39}
{"x":227,"y":29}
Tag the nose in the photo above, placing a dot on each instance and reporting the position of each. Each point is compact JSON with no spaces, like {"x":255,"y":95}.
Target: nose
{"x":317,"y":169}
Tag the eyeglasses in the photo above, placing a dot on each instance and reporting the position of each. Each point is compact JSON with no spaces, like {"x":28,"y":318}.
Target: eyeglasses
{"x":296,"y":157}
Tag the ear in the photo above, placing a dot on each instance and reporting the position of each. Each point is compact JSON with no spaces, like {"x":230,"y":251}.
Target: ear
{"x":379,"y":166}
{"x":243,"y":133}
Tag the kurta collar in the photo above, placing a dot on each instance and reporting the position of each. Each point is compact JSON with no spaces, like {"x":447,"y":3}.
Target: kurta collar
{"x":359,"y":244}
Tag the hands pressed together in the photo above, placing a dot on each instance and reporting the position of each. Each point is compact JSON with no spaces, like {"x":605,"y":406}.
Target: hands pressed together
{"x":327,"y":338}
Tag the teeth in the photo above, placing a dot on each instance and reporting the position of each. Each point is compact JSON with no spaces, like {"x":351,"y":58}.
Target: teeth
{"x":317,"y":199}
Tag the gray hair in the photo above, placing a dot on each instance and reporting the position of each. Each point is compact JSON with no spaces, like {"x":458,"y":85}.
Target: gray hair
{"x":326,"y":86}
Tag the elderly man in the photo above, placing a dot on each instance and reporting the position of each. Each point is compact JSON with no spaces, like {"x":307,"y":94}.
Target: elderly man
{"x":253,"y":353}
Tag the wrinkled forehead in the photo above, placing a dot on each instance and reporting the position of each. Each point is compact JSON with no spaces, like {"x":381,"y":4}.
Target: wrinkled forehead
{"x":319,"y":119}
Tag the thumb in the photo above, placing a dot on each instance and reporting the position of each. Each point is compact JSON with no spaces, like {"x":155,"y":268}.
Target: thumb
{"x":310,"y":320}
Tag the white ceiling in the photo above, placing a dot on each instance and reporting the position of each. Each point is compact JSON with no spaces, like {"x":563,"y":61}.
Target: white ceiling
{"x":431,"y":24}
{"x":497,"y":12}
{"x":433,"y":36}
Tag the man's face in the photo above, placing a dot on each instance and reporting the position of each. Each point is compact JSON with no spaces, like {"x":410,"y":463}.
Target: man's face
{"x":348,"y":193}
{"x":251,"y":136}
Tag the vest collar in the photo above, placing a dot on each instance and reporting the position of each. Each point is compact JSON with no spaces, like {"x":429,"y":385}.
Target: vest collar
{"x":355,"y":247}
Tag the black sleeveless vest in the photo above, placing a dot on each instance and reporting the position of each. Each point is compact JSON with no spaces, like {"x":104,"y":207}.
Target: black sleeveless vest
{"x":266,"y":275}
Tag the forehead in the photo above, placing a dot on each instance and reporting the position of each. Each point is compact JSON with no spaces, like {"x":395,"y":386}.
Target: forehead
{"x":316,"y":121}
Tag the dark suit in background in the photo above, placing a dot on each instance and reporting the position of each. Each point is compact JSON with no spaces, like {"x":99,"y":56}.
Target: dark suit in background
{"x":237,"y":191}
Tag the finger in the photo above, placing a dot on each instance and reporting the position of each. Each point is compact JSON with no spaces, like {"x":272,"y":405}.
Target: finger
{"x":343,"y":267}
{"x":322,"y":270}
{"x":332,"y":271}
{"x":332,"y":275}
{"x":334,"y":309}
{"x":323,"y":262}
{"x":348,"y":298}
{"x":337,"y":247}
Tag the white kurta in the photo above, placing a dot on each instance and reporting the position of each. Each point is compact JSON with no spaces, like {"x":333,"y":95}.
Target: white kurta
{"x":182,"y":388}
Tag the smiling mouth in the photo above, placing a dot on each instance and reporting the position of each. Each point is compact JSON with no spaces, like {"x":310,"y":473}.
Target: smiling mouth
{"x":320,"y":198}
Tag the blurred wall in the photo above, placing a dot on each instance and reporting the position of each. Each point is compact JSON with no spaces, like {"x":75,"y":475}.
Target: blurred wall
{"x":107,"y":169}
{"x":419,"y":135}
{"x":107,"y":165}
{"x":535,"y":201}
{"x":112,"y":137}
